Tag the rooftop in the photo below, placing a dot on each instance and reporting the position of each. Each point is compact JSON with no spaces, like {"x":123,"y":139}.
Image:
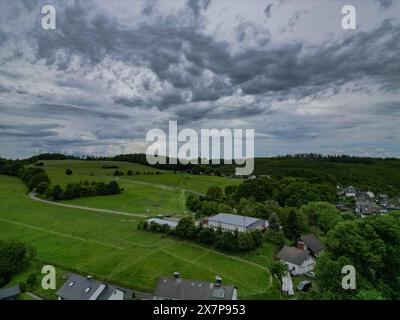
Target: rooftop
{"x":312,"y":243}
{"x":78,"y":287}
{"x":172,"y":224}
{"x":181,"y":289}
{"x":233,"y":219}
{"x":7,"y":293}
{"x":293,"y":255}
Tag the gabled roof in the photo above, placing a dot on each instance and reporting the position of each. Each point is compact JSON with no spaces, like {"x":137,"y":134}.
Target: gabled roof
{"x":11,"y":292}
{"x":293,"y":255}
{"x":312,"y":243}
{"x":181,"y":289}
{"x":78,"y":287}
{"x":233,"y":219}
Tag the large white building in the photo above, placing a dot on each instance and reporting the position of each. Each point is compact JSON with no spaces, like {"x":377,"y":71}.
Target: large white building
{"x":233,"y":222}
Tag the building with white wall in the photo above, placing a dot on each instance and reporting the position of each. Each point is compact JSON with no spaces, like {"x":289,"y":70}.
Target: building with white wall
{"x":233,"y":222}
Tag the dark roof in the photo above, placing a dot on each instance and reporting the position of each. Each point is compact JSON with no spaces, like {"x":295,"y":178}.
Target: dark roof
{"x":11,"y":292}
{"x":78,"y":290}
{"x":181,"y":289}
{"x":233,"y":219}
{"x":313,"y":244}
{"x":293,"y":255}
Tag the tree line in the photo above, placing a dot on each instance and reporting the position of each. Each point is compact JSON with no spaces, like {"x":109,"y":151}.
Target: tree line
{"x":225,"y":241}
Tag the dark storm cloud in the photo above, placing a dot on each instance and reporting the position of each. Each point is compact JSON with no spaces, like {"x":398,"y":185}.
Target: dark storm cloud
{"x":384,"y":3}
{"x":27,"y":130}
{"x":288,"y":69}
{"x":176,"y":65}
{"x":267,"y":10}
{"x":52,"y":109}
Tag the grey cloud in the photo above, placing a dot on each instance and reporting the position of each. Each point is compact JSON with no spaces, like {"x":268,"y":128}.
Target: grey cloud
{"x":384,"y":3}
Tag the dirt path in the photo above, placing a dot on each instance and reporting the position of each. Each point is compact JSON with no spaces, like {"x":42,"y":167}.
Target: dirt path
{"x":35,"y":198}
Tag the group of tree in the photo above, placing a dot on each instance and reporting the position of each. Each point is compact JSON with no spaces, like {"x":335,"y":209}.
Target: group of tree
{"x":225,"y":241}
{"x":372,"y":246}
{"x":15,"y":257}
{"x":307,"y":211}
{"x":35,"y":178}
{"x":83,"y":189}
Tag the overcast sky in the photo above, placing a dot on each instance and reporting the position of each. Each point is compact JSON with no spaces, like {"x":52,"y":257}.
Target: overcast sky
{"x":115,"y":69}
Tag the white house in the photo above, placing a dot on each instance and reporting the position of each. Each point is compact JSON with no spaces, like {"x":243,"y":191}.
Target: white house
{"x":233,"y":222}
{"x":370,"y":194}
{"x":350,"y":192}
{"x":298,"y":260}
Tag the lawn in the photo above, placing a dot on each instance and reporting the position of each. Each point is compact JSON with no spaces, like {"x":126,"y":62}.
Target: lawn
{"x":110,"y":247}
{"x":164,"y":193}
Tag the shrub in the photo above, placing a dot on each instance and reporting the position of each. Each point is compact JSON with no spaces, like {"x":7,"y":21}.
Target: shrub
{"x":68,"y":172}
{"x":37,"y":179}
{"x":42,"y":187}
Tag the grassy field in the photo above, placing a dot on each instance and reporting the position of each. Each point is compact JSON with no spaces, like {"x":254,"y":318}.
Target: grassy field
{"x":110,"y":247}
{"x":143,"y":193}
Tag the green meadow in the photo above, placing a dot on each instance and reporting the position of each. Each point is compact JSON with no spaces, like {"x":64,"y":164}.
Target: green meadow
{"x":110,"y":247}
{"x":143,"y":192}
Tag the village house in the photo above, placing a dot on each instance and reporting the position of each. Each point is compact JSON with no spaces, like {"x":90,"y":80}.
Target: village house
{"x":312,"y":244}
{"x":176,"y":288}
{"x":11,"y":293}
{"x":172,"y":223}
{"x":77,"y":287}
{"x":298,"y":259}
{"x":366,"y":207}
{"x":350,"y":192}
{"x":233,"y":222}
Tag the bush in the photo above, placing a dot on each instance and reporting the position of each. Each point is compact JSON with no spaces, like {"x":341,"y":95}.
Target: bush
{"x":68,"y":172}
{"x":42,"y":187}
{"x":130,"y":173}
{"x":37,"y":179}
{"x":31,"y":282}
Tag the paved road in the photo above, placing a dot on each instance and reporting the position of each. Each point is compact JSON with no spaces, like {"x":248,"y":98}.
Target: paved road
{"x":32,"y":195}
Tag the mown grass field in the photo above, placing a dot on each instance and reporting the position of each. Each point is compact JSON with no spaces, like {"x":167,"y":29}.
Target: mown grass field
{"x":109,"y":246}
{"x":143,"y":193}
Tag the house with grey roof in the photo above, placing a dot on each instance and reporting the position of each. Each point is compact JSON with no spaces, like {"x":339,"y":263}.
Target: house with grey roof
{"x":172,"y":223}
{"x":176,"y":288}
{"x":312,"y":244}
{"x":298,"y":259}
{"x":11,"y":293}
{"x":77,"y":287}
{"x":234,"y":222}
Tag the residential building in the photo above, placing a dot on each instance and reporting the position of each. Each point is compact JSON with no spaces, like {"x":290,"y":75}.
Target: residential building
{"x":11,"y":293}
{"x":233,"y":222}
{"x":78,"y":287}
{"x":312,"y":244}
{"x":298,"y":259}
{"x":176,"y":288}
{"x":350,"y":192}
{"x":367,"y":207}
{"x":171,"y":223}
{"x":370,"y":194}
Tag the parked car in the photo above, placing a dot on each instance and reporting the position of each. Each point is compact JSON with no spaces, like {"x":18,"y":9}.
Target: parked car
{"x":304,"y":285}
{"x":310,"y":275}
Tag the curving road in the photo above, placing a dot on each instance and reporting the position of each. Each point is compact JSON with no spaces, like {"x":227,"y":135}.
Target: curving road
{"x":33,"y":196}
